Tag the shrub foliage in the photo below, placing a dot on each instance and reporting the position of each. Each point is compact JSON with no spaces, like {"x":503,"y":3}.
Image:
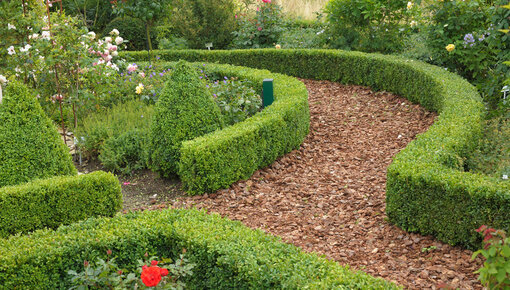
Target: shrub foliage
{"x":58,"y":200}
{"x":185,"y":110}
{"x":30,"y":144}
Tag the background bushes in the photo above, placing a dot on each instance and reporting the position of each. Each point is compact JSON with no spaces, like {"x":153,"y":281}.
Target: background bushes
{"x":133,"y":30}
{"x":204,"y":21}
{"x":185,"y":110}
{"x":58,"y":200}
{"x":428,"y":190}
{"x":30,"y":147}
{"x":227,"y":254}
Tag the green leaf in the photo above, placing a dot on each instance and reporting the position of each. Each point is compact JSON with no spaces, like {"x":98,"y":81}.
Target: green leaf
{"x":505,"y":251}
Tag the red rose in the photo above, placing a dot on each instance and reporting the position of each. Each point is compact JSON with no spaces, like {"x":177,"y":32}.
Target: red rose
{"x":151,"y":276}
{"x":164,"y":272}
{"x":154,"y":263}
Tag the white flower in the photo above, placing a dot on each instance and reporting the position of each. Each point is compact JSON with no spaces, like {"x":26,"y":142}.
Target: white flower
{"x":505,"y":177}
{"x":45,"y":35}
{"x":414,"y":23}
{"x":115,"y":53}
{"x":119,"y":40}
{"x":114,"y":32}
{"x":91,"y":35}
{"x":10,"y":26}
{"x":41,"y":57}
{"x":33,"y":36}
{"x":3,"y":80}
{"x":26,"y":48}
{"x":17,"y":69}
{"x":115,"y":67}
{"x":108,"y":39}
{"x":409,"y":5}
{"x":11,"y":50}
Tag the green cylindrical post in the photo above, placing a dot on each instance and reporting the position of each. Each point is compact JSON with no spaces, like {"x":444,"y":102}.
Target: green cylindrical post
{"x":267,"y":92}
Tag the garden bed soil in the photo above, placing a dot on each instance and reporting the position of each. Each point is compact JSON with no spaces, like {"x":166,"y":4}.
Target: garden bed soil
{"x":329,"y":196}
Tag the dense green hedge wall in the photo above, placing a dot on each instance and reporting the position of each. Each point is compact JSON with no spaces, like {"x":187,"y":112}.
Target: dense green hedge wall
{"x":57,"y":200}
{"x":227,"y":254}
{"x":427,"y":189}
{"x":185,"y":110}
{"x":30,"y":146}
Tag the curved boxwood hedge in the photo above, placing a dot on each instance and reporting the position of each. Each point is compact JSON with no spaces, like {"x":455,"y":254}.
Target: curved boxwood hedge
{"x":218,"y":159}
{"x":427,"y":189}
{"x":58,"y":200}
{"x":227,"y":254}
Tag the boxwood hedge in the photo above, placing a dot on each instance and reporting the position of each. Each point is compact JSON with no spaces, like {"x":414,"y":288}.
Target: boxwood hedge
{"x":428,"y":190}
{"x":227,"y":254}
{"x":57,"y":200}
{"x":30,"y":146}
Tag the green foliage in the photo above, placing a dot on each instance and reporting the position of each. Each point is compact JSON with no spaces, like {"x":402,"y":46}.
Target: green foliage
{"x":236,"y":99}
{"x":495,"y":272}
{"x":118,"y":135}
{"x":31,"y":146}
{"x":303,"y":38}
{"x":173,"y":42}
{"x":480,"y":49}
{"x":95,"y":14}
{"x":108,"y":275}
{"x":427,"y":190}
{"x":205,"y":21}
{"x":58,"y":200}
{"x":185,"y":110}
{"x":368,"y":25}
{"x":131,"y":29}
{"x":227,"y":254}
{"x":492,"y":155}
{"x":262,"y":30}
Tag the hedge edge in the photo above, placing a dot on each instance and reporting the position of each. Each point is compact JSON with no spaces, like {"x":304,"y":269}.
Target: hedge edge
{"x":427,"y":189}
{"x":227,"y":254}
{"x":58,"y":200}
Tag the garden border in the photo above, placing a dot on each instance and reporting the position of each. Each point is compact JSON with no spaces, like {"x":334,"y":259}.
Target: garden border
{"x":427,"y":188}
{"x":227,"y":254}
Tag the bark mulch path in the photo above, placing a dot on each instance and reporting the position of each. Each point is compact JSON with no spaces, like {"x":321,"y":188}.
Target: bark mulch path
{"x":329,"y":196}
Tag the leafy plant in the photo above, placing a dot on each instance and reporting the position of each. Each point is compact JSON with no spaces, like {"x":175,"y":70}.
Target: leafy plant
{"x":131,"y":29}
{"x":261,"y":30}
{"x":236,"y":99}
{"x":495,"y":272}
{"x":149,"y":273}
{"x":205,"y":21}
{"x":368,"y":25}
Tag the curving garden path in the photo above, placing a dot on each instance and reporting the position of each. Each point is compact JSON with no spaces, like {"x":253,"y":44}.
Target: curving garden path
{"x":329,"y":196}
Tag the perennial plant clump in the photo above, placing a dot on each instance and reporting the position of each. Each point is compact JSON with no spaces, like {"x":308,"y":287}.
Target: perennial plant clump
{"x":495,"y":272}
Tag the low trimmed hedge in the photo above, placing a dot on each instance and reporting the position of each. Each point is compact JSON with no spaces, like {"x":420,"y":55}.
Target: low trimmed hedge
{"x":58,"y":200}
{"x":227,"y":254}
{"x":427,"y":188}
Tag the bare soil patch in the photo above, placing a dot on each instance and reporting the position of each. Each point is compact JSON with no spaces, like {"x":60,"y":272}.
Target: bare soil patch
{"x":329,"y":196}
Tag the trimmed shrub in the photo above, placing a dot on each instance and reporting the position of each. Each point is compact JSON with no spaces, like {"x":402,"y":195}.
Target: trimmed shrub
{"x":58,"y":200}
{"x":227,"y":254}
{"x":30,"y":146}
{"x":185,"y":110}
{"x":427,"y":189}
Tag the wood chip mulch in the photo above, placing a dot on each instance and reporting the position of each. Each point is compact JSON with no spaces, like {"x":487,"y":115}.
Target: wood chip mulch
{"x":329,"y":196}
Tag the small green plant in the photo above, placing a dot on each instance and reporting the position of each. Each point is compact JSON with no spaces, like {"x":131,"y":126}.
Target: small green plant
{"x":428,"y":249}
{"x":236,"y":99}
{"x":495,"y":272}
{"x":149,"y":273}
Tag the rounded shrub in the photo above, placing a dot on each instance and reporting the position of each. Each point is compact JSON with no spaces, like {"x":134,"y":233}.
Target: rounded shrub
{"x":133,"y":30}
{"x":185,"y":110}
{"x":30,"y":147}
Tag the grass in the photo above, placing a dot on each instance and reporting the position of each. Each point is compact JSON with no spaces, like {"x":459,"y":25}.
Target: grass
{"x":305,"y":9}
